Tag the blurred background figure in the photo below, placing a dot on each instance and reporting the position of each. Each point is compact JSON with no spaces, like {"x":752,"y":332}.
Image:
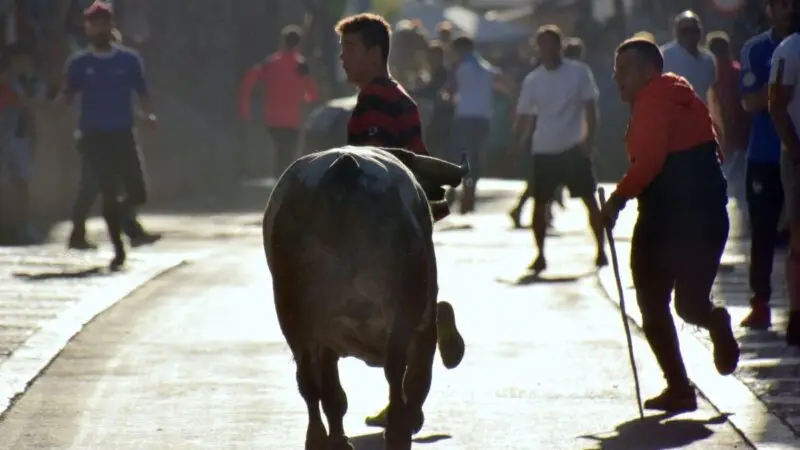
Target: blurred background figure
{"x":735,"y":121}
{"x":686,"y":57}
{"x":407,"y":59}
{"x":473,"y":87}
{"x":764,"y":191}
{"x":437,"y":132}
{"x":444,"y":34}
{"x":18,"y":87}
{"x":574,"y":48}
{"x":288,"y":87}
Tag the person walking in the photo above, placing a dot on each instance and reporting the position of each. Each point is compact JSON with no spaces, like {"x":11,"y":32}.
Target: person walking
{"x":558,"y":107}
{"x":89,"y":191}
{"x":473,"y":89}
{"x":765,"y":196}
{"x":784,"y":105}
{"x":735,"y":120}
{"x":288,"y":87}
{"x":105,"y":76}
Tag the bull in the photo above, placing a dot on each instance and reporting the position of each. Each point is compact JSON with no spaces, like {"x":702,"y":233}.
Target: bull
{"x":348,"y":241}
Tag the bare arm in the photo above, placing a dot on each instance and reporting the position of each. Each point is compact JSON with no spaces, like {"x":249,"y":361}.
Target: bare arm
{"x":592,"y":116}
{"x":780,"y":95}
{"x":714,"y":106}
{"x":524,"y":126}
{"x":717,"y":115}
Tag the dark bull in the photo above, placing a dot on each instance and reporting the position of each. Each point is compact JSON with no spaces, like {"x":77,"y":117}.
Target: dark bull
{"x":348,"y":240}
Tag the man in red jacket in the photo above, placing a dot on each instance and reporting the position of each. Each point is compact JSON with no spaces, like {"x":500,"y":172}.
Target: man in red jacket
{"x":682,"y":222}
{"x":288,"y":86}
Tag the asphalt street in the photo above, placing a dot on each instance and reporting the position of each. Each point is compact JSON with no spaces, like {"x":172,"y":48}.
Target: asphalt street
{"x":195,"y":360}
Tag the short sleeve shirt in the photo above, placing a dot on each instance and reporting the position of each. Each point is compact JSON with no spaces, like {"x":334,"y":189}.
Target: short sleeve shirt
{"x":764,"y":144}
{"x":557,"y":98}
{"x":785,"y":71}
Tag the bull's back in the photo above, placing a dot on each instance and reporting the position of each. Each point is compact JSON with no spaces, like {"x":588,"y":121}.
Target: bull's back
{"x":349,"y":231}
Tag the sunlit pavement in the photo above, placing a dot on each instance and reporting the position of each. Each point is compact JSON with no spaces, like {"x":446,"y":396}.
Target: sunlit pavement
{"x":195,"y":358}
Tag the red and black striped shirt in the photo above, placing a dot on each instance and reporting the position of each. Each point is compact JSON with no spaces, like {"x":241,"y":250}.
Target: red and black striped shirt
{"x":386,"y":116}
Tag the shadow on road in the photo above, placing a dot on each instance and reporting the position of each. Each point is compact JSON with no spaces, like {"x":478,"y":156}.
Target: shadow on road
{"x":63,"y":274}
{"x":656,"y":433}
{"x":533,"y":278}
{"x":374,"y":441}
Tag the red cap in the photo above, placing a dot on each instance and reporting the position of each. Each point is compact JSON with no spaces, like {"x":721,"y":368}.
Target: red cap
{"x":99,"y":10}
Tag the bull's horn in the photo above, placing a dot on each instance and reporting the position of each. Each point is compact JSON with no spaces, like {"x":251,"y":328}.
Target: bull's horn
{"x":438,"y":170}
{"x":464,"y":164}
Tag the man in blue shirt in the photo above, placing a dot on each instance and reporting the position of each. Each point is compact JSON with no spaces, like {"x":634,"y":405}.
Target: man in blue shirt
{"x":474,"y":81}
{"x":88,"y":191}
{"x":105,"y":76}
{"x":763,"y":181}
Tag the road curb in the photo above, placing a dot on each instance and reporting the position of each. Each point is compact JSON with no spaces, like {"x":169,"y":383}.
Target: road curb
{"x":726,"y":394}
{"x":31,"y":358}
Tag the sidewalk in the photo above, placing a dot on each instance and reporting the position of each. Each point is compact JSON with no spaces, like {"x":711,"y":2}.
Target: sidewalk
{"x":768,"y":369}
{"x":48,"y":294}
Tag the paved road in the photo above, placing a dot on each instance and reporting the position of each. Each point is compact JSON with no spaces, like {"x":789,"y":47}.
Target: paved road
{"x":195,"y":360}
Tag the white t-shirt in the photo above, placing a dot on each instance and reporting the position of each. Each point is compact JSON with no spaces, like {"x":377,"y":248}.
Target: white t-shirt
{"x":787,"y":58}
{"x":557,"y":98}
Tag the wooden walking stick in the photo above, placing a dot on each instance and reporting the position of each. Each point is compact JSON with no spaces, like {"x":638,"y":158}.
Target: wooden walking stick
{"x":615,"y":265}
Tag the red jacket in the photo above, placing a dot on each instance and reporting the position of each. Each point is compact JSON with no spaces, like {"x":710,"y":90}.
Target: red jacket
{"x":666,"y":117}
{"x":287,"y":87}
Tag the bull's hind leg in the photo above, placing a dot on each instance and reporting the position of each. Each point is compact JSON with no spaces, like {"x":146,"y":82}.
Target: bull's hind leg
{"x":418,"y":379}
{"x":334,"y":401}
{"x":316,"y":435}
{"x":398,"y":429}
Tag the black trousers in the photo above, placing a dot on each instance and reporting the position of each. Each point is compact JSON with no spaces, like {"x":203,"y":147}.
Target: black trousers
{"x":678,"y":254}
{"x":765,"y":203}
{"x":88,"y":191}
{"x":285,"y":142}
{"x":113,"y":158}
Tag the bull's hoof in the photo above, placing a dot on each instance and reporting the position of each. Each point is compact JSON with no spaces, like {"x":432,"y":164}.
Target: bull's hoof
{"x":316,"y":437}
{"x":394,"y":442}
{"x":339,"y":443}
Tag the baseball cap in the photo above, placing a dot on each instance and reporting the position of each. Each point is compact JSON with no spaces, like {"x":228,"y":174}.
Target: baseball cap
{"x":98,"y":10}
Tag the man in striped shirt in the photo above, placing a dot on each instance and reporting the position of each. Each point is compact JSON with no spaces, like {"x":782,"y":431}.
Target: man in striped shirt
{"x":385,"y":116}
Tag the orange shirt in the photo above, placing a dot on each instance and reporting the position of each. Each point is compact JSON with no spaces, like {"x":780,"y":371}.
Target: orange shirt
{"x":287,"y":87}
{"x":666,"y":117}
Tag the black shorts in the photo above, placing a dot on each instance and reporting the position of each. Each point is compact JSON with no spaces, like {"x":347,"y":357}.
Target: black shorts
{"x":571,"y":169}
